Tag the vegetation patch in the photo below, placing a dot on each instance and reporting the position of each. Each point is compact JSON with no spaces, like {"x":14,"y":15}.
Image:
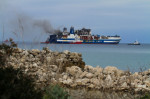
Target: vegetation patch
{"x":55,"y":92}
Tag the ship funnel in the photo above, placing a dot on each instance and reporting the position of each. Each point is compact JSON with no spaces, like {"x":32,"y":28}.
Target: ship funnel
{"x":72,"y":30}
{"x":65,"y":29}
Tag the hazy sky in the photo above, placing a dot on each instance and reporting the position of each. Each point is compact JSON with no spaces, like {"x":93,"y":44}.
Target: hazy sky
{"x":128,"y":18}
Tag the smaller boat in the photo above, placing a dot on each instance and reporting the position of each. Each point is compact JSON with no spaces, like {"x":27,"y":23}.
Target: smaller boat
{"x":6,"y":41}
{"x":135,"y":43}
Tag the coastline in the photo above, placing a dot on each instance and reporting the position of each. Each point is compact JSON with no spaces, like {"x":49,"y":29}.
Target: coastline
{"x":68,"y":69}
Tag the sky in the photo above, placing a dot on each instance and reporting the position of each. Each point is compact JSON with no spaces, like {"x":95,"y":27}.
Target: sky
{"x":128,"y":18}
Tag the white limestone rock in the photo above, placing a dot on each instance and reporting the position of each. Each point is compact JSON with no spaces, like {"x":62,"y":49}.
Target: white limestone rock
{"x":89,"y":75}
{"x":85,"y":81}
{"x":78,"y":81}
{"x":74,"y":71}
{"x":66,"y":52}
{"x":65,"y":77}
{"x":95,"y":81}
{"x":83,"y":74}
{"x":69,"y":81}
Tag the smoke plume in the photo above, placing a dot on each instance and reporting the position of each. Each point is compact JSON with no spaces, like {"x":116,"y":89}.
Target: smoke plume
{"x":46,"y":26}
{"x":22,"y":24}
{"x":26,"y":23}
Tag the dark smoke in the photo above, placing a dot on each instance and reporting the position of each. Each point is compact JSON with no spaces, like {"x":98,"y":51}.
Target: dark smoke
{"x":25,"y":27}
{"x":22,"y":25}
{"x":26,"y":22}
{"x":44,"y":24}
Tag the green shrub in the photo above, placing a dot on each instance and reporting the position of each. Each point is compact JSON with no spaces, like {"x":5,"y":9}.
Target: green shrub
{"x":16,"y":85}
{"x":55,"y":92}
{"x":147,"y":96}
{"x":6,"y":51}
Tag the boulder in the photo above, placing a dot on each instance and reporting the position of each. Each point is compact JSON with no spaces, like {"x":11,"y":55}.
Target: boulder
{"x":141,"y":86}
{"x":110,"y":69}
{"x":66,"y":52}
{"x":35,"y":52}
{"x":98,"y":71}
{"x":91,"y":86}
{"x":60,"y":80}
{"x":89,"y":69}
{"x":78,"y":81}
{"x":48,"y":59}
{"x":113,"y":71}
{"x":89,"y":75}
{"x":85,"y":81}
{"x":65,"y":77}
{"x":83,"y":74}
{"x":109,"y":82}
{"x":25,"y":53}
{"x":147,"y":82}
{"x":74,"y":71}
{"x":95,"y":81}
{"x":54,"y":68}
{"x":108,"y":78}
{"x":135,"y":75}
{"x":62,"y":55}
{"x":137,"y":81}
{"x":35,"y":65}
{"x":67,"y":82}
{"x":124,"y":86}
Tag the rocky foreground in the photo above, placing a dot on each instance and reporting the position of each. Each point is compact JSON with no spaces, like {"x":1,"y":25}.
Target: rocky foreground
{"x":68,"y":69}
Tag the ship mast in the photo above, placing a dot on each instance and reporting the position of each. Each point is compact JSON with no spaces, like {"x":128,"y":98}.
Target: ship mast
{"x":3,"y":33}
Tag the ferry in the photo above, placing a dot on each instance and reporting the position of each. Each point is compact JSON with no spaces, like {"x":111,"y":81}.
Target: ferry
{"x":82,"y":36}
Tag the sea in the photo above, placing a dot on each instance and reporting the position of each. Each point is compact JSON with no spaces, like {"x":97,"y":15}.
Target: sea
{"x":135,"y":58}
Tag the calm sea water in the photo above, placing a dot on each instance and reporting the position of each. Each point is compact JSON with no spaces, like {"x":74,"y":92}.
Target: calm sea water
{"x":123,"y":56}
